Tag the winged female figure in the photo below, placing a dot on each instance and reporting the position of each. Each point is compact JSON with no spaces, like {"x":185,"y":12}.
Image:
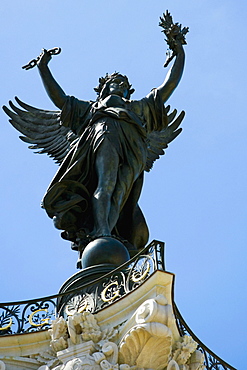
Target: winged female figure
{"x":103,"y":148}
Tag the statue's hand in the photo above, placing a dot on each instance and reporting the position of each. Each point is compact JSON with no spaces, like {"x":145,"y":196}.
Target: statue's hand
{"x":175,"y":36}
{"x":44,"y":58}
{"x":178,"y":46}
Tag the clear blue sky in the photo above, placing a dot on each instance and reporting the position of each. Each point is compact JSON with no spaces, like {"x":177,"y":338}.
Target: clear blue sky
{"x":194,"y":199}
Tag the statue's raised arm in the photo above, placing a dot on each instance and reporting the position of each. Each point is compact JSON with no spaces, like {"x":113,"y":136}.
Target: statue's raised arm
{"x":53,"y":89}
{"x":175,"y":39}
{"x":55,"y":92}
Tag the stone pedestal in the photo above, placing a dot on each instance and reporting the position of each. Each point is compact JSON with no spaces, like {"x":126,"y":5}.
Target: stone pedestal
{"x":138,"y":331}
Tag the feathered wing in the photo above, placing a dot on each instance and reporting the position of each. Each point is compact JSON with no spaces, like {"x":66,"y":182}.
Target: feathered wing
{"x":43,"y":129}
{"x":159,"y":140}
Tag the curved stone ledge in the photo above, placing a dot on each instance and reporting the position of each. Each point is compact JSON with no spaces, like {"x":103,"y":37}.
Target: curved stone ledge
{"x":24,"y":344}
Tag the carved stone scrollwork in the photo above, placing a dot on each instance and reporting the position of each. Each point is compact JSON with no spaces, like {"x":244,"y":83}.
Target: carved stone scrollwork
{"x":151,"y":331}
{"x":153,"y":321}
{"x":139,"y":343}
{"x":81,"y":344}
{"x":147,"y":343}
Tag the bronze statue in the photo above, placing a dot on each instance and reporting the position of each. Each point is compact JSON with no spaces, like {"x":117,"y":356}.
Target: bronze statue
{"x":103,"y":148}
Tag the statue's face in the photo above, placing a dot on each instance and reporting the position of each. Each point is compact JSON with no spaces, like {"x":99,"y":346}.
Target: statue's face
{"x":118,"y":86}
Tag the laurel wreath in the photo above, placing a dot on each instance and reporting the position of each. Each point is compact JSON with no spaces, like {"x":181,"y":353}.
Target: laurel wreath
{"x":174,"y":33}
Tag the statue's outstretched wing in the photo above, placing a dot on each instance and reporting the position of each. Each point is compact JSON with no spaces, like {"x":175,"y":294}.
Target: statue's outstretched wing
{"x":159,"y":140}
{"x":43,"y":129}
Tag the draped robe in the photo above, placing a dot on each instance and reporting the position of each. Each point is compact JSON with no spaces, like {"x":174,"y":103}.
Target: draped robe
{"x":124,"y":124}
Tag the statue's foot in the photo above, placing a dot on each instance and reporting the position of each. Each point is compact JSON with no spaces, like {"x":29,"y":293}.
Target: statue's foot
{"x":99,"y":233}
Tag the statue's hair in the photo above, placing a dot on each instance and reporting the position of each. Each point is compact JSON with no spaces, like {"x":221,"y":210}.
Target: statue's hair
{"x":104,"y":80}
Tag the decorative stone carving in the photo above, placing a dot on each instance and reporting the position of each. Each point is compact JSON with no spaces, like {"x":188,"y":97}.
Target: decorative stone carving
{"x":48,"y":357}
{"x":151,"y":331}
{"x":173,"y":365}
{"x":138,"y":346}
{"x":106,"y":359}
{"x":185,"y":356}
{"x":196,"y":361}
{"x":148,"y":343}
{"x":81,"y":344}
{"x":58,"y":334}
{"x":184,"y":349}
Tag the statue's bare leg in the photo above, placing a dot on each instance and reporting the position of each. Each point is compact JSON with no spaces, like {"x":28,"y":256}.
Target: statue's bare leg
{"x":129,"y":175}
{"x":106,"y":167}
{"x":131,"y":224}
{"x":121,"y":193}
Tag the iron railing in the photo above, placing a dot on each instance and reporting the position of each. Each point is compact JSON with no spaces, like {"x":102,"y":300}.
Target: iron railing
{"x":35,"y":315}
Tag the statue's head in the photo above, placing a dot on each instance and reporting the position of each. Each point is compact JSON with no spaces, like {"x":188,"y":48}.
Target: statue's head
{"x":114,"y":84}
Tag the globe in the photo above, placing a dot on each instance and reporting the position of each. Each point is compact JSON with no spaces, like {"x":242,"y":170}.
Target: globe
{"x":105,"y":250}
